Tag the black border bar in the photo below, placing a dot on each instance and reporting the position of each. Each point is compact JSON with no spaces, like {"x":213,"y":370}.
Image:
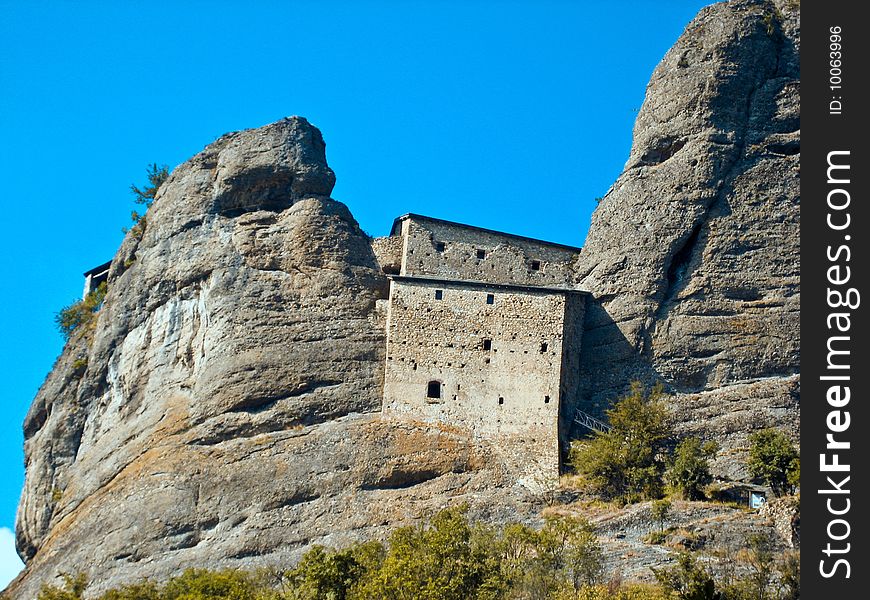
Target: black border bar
{"x":835,"y":371}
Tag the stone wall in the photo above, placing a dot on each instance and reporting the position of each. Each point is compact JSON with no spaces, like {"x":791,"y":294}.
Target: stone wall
{"x":436,"y":248}
{"x":388,"y":252}
{"x":572,"y":336}
{"x":496,"y":367}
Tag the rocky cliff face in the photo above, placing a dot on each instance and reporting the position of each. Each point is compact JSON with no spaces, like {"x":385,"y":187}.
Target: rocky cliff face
{"x":224,"y":410}
{"x":228,"y":413}
{"x":693,"y":255}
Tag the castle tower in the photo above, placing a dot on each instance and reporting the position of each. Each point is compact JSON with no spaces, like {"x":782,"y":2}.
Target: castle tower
{"x":483,"y":334}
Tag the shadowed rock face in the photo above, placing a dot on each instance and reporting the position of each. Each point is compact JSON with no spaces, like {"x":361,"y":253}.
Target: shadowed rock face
{"x":694,"y":253}
{"x":228,"y":411}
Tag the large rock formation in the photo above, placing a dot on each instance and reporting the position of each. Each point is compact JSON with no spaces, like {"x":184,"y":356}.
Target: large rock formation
{"x":228,"y":412}
{"x":693,"y":255}
{"x":224,"y":409}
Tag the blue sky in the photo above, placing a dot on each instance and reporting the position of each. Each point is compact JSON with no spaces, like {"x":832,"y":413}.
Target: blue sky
{"x":508,"y":115}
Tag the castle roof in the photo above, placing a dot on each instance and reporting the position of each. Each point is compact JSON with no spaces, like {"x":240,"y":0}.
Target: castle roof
{"x":100,"y":269}
{"x":396,"y":229}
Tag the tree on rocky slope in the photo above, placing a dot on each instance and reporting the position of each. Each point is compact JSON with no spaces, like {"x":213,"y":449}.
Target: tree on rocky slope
{"x":627,"y":462}
{"x":773,"y":459}
{"x":79,"y":314}
{"x":688,"y":580}
{"x":689,"y":471}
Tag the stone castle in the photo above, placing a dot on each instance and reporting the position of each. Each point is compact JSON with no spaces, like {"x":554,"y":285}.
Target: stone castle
{"x":483,"y":333}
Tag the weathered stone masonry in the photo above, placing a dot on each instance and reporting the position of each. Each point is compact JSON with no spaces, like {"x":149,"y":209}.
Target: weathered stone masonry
{"x":480,"y":337}
{"x":437,"y":248}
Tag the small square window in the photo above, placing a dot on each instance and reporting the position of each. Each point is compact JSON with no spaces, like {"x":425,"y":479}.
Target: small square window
{"x":440,"y":246}
{"x":536,"y":265}
{"x":481,"y":254}
{"x":546,"y":399}
{"x":487,"y":344}
{"x":544,"y":347}
{"x":490,"y":298}
{"x":501,"y":400}
{"x":439,"y":294}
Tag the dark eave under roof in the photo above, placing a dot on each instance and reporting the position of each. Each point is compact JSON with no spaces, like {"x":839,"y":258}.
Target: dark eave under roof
{"x":396,"y":229}
{"x":97,"y":270}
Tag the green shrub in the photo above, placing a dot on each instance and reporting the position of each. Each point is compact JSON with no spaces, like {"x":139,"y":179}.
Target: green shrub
{"x":617,"y":591}
{"x":660,"y":509}
{"x":564,"y":556}
{"x":325,"y":574}
{"x":794,"y":473}
{"x":761,"y":566}
{"x":146,"y":590}
{"x":772,"y":458}
{"x":689,"y":472}
{"x":453,"y":559}
{"x":688,"y":580}
{"x":73,"y":588}
{"x":626,"y":463}
{"x":137,"y":230}
{"x":441,"y":561}
{"x":656,"y":538}
{"x":570,"y":546}
{"x":192,"y":584}
{"x":202,"y":584}
{"x":759,"y":579}
{"x":79,"y":366}
{"x":790,"y":576}
{"x":81,"y":313}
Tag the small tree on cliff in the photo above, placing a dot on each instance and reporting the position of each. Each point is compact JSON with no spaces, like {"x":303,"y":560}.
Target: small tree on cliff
{"x":627,"y":462}
{"x":79,"y":314}
{"x":157,"y":175}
